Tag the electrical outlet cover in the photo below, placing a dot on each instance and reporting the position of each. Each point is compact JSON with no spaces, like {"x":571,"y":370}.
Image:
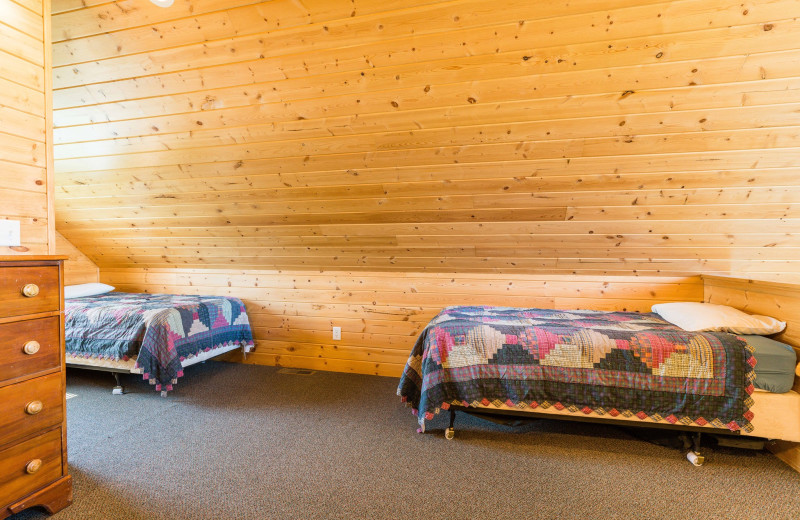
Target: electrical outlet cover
{"x":9,"y":232}
{"x":337,"y":333}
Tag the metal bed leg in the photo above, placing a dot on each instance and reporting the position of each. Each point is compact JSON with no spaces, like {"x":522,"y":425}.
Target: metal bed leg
{"x":118,"y":390}
{"x":449,"y":433}
{"x":694,"y":456}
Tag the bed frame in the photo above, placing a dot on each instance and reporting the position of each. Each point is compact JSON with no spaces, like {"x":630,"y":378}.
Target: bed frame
{"x":129,"y":367}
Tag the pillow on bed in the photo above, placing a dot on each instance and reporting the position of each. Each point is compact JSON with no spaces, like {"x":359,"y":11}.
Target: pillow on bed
{"x":708,"y":317}
{"x":775,"y":364}
{"x":86,"y":289}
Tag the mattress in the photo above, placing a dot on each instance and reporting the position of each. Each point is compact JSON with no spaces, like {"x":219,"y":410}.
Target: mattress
{"x":775,"y":364}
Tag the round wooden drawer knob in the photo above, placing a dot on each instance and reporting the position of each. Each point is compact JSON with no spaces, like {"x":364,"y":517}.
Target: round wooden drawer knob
{"x":30,"y":290}
{"x":31,"y":347}
{"x":33,"y":466}
{"x":33,"y":407}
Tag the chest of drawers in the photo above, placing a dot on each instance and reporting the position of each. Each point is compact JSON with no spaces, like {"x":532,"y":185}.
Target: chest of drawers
{"x":33,"y":427}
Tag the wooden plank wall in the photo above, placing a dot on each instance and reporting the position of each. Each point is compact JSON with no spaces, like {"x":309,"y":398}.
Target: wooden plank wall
{"x":779,"y":300}
{"x":78,"y":268}
{"x":26,"y":181}
{"x":381,"y":313}
{"x":589,"y":137}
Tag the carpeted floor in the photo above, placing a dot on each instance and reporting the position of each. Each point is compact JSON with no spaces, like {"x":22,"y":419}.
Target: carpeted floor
{"x":245,"y":442}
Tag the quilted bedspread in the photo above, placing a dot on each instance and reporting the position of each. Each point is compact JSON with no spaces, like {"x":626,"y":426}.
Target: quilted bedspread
{"x":615,"y":363}
{"x":158,"y":330}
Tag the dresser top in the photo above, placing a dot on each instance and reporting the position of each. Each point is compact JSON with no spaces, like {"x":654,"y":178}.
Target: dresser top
{"x":31,"y":258}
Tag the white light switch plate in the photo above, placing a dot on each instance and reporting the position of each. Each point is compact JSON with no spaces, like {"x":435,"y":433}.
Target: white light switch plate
{"x":337,"y":333}
{"x":9,"y":233}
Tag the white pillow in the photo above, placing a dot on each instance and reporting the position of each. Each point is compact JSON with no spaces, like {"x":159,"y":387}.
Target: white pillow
{"x":86,"y":289}
{"x":708,"y":317}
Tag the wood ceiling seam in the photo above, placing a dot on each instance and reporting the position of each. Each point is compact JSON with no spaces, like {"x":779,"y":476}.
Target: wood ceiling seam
{"x":542,"y":247}
{"x":530,"y":169}
{"x":408,"y":6}
{"x":72,"y":17}
{"x":514,"y":268}
{"x":392,"y":138}
{"x":271,"y":220}
{"x":344,"y":279}
{"x":622,"y":198}
{"x":32,"y":78}
{"x":30,"y":22}
{"x":742,"y":254}
{"x":21,"y":45}
{"x":213,"y":120}
{"x":692,"y":52}
{"x":39,"y":140}
{"x":490,"y":86}
{"x":543,"y":210}
{"x":710,"y":120}
{"x":64,"y":6}
{"x":733,"y":227}
{"x":645,"y":144}
{"x":416,"y":35}
{"x":532,"y":246}
{"x":77,"y":6}
{"x":657,"y":265}
{"x":267,"y":293}
{"x":783,"y":84}
{"x":27,"y":5}
{"x":286,"y":32}
{"x":207,"y":42}
{"x":462,"y":135}
{"x":207,"y":83}
{"x":414,"y":182}
{"x":492,"y":184}
{"x":423,"y":6}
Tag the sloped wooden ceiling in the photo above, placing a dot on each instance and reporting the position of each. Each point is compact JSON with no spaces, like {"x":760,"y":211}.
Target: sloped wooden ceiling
{"x":589,"y":137}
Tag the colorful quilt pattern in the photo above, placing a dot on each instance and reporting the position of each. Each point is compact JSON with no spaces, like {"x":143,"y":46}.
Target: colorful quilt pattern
{"x":615,"y":363}
{"x":158,"y":330}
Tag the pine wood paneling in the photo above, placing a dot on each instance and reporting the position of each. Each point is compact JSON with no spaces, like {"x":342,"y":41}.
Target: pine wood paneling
{"x":78,"y":268}
{"x":26,"y":182}
{"x":635,"y":137}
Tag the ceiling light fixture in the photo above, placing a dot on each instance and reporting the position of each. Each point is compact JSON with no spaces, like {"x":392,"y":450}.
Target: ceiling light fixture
{"x":163,"y":3}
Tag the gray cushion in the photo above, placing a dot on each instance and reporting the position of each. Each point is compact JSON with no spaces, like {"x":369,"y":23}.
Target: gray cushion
{"x":775,"y":364}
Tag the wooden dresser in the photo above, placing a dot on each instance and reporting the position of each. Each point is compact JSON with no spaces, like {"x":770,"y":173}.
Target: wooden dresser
{"x":33,"y":427}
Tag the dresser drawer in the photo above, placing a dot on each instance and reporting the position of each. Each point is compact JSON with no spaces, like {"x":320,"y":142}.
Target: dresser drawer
{"x":31,"y":406}
{"x":28,"y":290}
{"x":29,"y":347}
{"x":29,"y":465}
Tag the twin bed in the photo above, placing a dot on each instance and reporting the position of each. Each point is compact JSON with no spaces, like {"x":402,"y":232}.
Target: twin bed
{"x":601,"y":366}
{"x":154,"y":335}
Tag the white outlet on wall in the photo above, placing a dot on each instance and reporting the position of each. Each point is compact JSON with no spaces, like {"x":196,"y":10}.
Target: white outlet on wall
{"x":9,"y":232}
{"x":337,"y":333}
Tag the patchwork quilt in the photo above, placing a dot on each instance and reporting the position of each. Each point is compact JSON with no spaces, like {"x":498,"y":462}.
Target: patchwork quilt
{"x":614,"y":363}
{"x":158,"y":330}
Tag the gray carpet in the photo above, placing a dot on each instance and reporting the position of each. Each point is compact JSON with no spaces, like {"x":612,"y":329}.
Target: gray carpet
{"x":245,"y":442}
